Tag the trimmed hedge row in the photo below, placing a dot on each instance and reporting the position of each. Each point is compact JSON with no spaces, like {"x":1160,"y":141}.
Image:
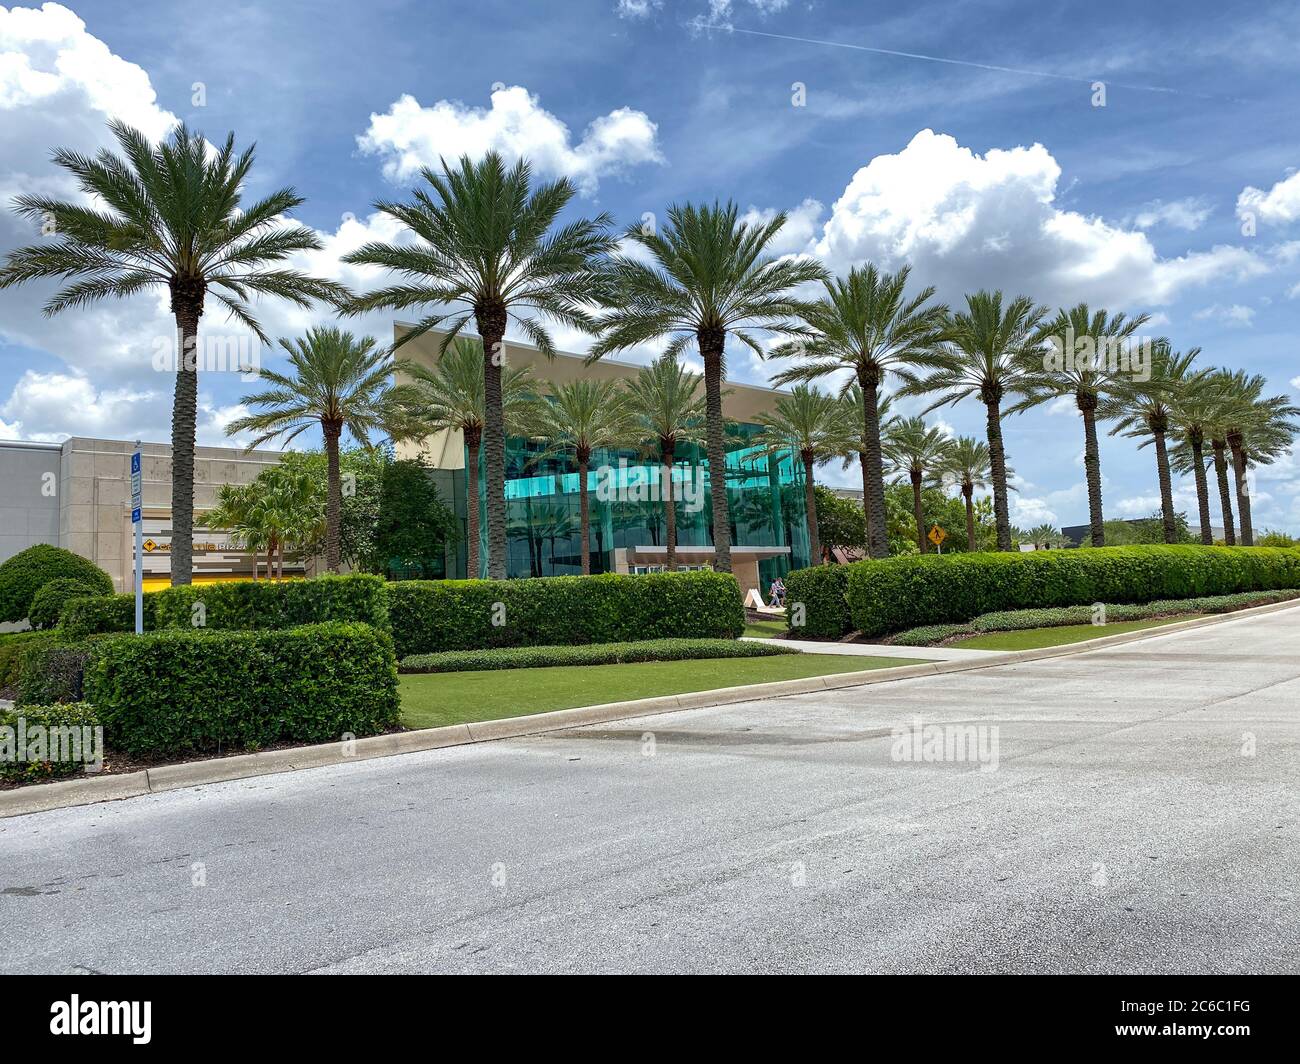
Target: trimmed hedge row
{"x":50,"y":752}
{"x":430,"y":616}
{"x":249,"y":605}
{"x":593,"y":654}
{"x":52,"y":672}
{"x":907,"y":592}
{"x":818,"y":596}
{"x":177,"y":692}
{"x":82,"y":617}
{"x":13,"y":646}
{"x":1055,"y":617}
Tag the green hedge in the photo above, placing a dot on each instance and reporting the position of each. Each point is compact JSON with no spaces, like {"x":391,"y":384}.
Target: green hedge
{"x":907,"y":592}
{"x":181,"y":691}
{"x":429,"y":616}
{"x":12,"y":647}
{"x":52,"y":672}
{"x":592,"y":654}
{"x":28,"y":571}
{"x":261,"y":604}
{"x":48,"y":602}
{"x":82,"y":617}
{"x":46,"y":755}
{"x":822,"y":593}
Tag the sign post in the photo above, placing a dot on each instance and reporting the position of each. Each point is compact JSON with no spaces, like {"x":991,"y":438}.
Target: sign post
{"x":136,"y":499}
{"x":937,"y":536}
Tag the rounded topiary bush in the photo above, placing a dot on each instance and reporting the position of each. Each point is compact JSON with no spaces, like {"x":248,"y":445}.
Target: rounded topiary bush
{"x":48,"y":602}
{"x":28,"y":571}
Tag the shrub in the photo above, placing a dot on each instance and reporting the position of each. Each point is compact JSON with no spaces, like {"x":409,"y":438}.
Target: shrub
{"x":821,"y":591}
{"x":28,"y":571}
{"x":429,"y":616}
{"x":899,"y":593}
{"x":183,"y":691}
{"x":82,"y":617}
{"x":58,"y":749}
{"x":591,"y":654}
{"x":52,"y":672}
{"x":49,"y":601}
{"x":260,"y":604}
{"x":12,"y":647}
{"x":929,"y":635}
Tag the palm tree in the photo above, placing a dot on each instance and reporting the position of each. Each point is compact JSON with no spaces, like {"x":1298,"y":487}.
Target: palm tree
{"x":918,"y":452}
{"x":449,"y":397}
{"x":710,"y":276}
{"x":1144,"y":409}
{"x":984,"y":353}
{"x":581,"y":417}
{"x":1191,"y":412}
{"x":813,"y":425}
{"x":968,"y":467}
{"x":666,"y":401}
{"x":1085,"y":375}
{"x":1046,"y":537}
{"x":487,"y":250}
{"x":1256,"y":428}
{"x":235,"y":513}
{"x":171,"y":216}
{"x":338,"y":381}
{"x":866,"y":324}
{"x":857,"y":448}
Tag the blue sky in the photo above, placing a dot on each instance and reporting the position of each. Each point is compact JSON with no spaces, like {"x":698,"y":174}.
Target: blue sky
{"x":1177,"y":198}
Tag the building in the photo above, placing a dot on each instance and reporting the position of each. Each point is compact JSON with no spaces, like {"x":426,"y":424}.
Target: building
{"x":77,"y":495}
{"x":769,"y":536}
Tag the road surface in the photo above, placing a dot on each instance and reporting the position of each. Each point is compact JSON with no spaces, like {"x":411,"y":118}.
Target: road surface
{"x":1142,"y":817}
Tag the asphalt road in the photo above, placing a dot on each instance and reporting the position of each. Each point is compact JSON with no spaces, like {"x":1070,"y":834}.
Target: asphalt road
{"x":1142,"y":817}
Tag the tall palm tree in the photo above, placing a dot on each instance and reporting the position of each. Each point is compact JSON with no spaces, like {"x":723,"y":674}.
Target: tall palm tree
{"x":814,"y":425}
{"x":666,"y":400}
{"x":1086,"y":376}
{"x":1191,"y":413}
{"x":866,"y":324}
{"x":1256,"y":428}
{"x":489,"y":249}
{"x":920,"y":453}
{"x":337,"y":381}
{"x":1144,"y":409}
{"x":170,"y":215}
{"x":984,"y":353}
{"x":450,"y":397}
{"x":968,"y":467}
{"x":710,"y":276}
{"x":579,"y":418}
{"x":868,"y":429}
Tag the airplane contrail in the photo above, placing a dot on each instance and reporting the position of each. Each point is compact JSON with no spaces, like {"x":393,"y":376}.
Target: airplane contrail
{"x":961,"y":62}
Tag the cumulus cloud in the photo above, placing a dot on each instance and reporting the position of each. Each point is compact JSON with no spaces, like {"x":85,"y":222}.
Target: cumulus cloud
{"x":1188,"y":214}
{"x":1279,"y":205}
{"x":800,"y":227}
{"x":636,"y":8}
{"x":965,"y":220}
{"x":410,"y":136}
{"x":1233,"y":314}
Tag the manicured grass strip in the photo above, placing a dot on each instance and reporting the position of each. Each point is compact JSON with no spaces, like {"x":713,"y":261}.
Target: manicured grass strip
{"x":765,"y":629}
{"x":1037,"y":638}
{"x":589,"y":654}
{"x":433,"y":699}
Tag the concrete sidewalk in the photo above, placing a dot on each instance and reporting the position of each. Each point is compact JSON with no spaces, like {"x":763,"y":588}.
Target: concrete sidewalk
{"x":882,"y":650}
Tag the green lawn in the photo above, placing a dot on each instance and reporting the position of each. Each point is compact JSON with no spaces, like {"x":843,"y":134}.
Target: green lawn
{"x":1036,"y":638}
{"x":433,"y":699}
{"x":765,"y":629}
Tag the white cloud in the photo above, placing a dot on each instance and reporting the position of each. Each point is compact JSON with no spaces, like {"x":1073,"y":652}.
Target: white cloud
{"x":800,"y":227}
{"x":1188,"y":214}
{"x":966,"y":221}
{"x":410,"y":136}
{"x":1279,"y":205}
{"x":1233,"y":314}
{"x":637,"y":8}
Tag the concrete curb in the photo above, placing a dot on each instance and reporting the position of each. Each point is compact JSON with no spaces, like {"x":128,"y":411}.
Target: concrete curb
{"x":34,"y":799}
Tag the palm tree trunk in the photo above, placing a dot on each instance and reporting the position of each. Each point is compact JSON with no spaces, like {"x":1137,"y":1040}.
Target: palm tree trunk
{"x":1166,"y":487}
{"x":810,"y":508}
{"x":333,"y":497}
{"x":998,"y":469}
{"x":1243,"y":489}
{"x":1225,"y":495}
{"x":187,"y":306}
{"x":711,"y":343}
{"x":667,"y":451}
{"x":917,"y":512}
{"x":873,"y":472}
{"x":473,"y":439}
{"x":1092,"y":470}
{"x":584,"y":512}
{"x":1202,"y":489}
{"x":492,"y":329}
{"x":866,"y":500}
{"x":968,"y":492}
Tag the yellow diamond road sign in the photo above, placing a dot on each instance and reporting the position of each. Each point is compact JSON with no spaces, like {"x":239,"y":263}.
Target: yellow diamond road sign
{"x":937,"y":535}
{"x":149,"y":545}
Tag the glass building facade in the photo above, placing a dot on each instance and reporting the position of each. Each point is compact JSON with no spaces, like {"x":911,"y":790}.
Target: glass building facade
{"x":766,"y":496}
